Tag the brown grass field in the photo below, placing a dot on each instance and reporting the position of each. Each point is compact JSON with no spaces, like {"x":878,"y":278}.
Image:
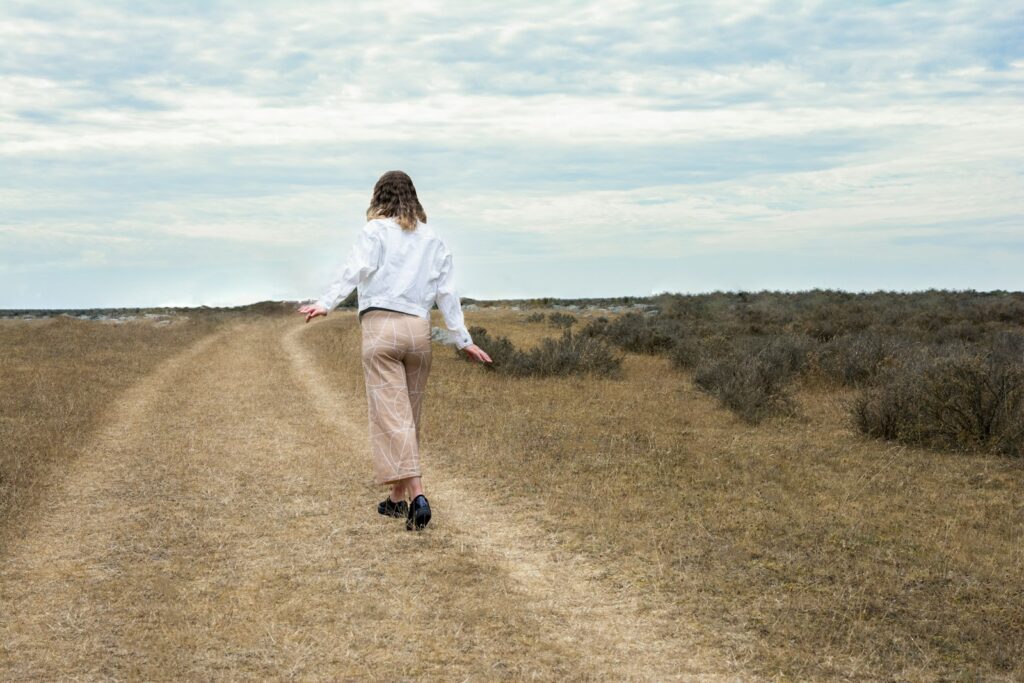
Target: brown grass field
{"x":56,"y":377}
{"x":194,"y":502}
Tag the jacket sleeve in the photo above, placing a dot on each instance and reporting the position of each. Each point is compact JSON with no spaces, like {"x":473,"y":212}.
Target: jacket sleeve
{"x":448,"y":301}
{"x":363,"y":259}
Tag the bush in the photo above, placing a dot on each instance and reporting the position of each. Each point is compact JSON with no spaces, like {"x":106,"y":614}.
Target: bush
{"x":752,"y":377}
{"x":595,"y":327}
{"x":536,"y":317}
{"x":640,"y":334}
{"x":500,"y":349}
{"x":856,"y":359}
{"x":1007,"y":347}
{"x":559,"y":319}
{"x":687,"y":352}
{"x":961,"y":400}
{"x":568,"y":355}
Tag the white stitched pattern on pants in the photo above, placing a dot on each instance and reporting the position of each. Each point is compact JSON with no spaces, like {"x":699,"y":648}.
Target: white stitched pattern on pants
{"x":396,"y":362}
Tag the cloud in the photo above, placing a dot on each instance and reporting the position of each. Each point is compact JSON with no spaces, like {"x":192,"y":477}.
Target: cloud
{"x":567,"y":131}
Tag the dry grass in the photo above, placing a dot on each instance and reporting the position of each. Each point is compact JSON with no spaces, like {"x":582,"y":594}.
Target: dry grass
{"x":57,"y":377}
{"x":213,"y":519}
{"x":805,"y":550}
{"x":220,"y":523}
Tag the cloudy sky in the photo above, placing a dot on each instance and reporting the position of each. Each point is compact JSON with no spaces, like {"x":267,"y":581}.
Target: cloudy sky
{"x":194,"y":152}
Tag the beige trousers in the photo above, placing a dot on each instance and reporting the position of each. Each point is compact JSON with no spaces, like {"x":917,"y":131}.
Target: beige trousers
{"x":396,"y":362}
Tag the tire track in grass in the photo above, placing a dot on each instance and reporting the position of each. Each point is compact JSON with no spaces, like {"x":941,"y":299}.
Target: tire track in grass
{"x":213,"y":529}
{"x":601,"y":625}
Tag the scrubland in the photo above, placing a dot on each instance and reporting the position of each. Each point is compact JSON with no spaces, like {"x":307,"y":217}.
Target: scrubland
{"x":829,"y":486}
{"x":809,"y":549}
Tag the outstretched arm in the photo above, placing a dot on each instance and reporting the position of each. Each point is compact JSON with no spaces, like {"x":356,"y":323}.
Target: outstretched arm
{"x":450,"y":305}
{"x":451,"y":309}
{"x":363,"y":259}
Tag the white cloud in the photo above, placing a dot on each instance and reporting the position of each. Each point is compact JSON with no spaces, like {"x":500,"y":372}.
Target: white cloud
{"x":593,"y":129}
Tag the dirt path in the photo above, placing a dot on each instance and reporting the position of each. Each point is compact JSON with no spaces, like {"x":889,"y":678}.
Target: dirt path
{"x":222,"y":525}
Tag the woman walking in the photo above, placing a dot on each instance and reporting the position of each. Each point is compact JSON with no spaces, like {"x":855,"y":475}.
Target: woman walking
{"x":400,"y":267}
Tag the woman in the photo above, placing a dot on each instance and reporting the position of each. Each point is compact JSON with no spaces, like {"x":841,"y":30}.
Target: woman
{"x":401,"y":267}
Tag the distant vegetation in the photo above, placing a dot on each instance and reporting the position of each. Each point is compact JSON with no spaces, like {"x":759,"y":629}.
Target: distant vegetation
{"x":937,"y":368}
{"x":559,"y":319}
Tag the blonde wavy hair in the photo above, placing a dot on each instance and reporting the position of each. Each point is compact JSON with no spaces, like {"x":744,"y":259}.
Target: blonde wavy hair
{"x":394,"y":196}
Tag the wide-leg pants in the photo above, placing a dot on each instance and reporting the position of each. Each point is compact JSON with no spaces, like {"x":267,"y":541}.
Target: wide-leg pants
{"x":396,"y":363}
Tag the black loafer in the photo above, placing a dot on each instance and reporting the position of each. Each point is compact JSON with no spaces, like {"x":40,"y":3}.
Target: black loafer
{"x":392,"y":509}
{"x":419,"y":513}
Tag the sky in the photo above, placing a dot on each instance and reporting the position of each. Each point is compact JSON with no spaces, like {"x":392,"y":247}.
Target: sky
{"x":220,"y":153}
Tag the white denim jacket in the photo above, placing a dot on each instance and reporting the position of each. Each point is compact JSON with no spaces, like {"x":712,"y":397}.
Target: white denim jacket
{"x":402,"y":270}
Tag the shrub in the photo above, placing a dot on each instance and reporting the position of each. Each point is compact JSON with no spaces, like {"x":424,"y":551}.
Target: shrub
{"x":568,"y":355}
{"x":961,"y":400}
{"x":536,"y":317}
{"x":752,"y":377}
{"x":559,"y":319}
{"x":1007,"y":347}
{"x":500,"y":349}
{"x":686,"y":352}
{"x":639,"y":333}
{"x":856,"y":359}
{"x":595,"y":327}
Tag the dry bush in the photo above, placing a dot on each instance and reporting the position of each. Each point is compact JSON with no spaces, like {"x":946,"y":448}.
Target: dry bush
{"x":635,"y":332}
{"x":934,"y":316}
{"x":595,"y":327}
{"x":503,"y":352}
{"x":687,"y":351}
{"x":559,"y":319}
{"x":732,"y":341}
{"x":963,"y":401}
{"x":535,"y":317}
{"x":1007,"y":347}
{"x":855,"y":359}
{"x":752,"y":377}
{"x":568,"y":355}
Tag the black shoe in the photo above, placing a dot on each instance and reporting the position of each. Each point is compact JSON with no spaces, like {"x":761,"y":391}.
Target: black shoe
{"x":392,"y":509}
{"x":419,"y":513}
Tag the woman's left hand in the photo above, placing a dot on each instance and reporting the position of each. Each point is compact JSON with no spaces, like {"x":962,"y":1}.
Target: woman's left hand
{"x":312,"y":311}
{"x":476,"y":353}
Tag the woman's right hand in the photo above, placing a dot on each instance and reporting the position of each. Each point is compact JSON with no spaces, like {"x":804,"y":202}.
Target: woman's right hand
{"x":476,"y":353}
{"x":311,"y":311}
